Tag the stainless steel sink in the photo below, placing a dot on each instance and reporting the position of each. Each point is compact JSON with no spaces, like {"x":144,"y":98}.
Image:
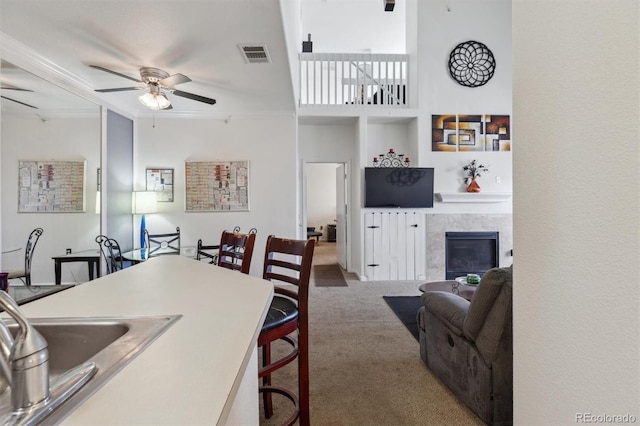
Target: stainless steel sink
{"x":110,"y":343}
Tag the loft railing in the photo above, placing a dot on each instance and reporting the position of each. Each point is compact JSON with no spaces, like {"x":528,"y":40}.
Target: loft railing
{"x":346,"y":79}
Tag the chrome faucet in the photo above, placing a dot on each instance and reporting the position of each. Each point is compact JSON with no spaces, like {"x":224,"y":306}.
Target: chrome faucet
{"x":24,"y":361}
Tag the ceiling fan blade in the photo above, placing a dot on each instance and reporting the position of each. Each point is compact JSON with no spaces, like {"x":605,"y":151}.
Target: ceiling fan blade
{"x":174,"y":80}
{"x":115,"y":73}
{"x":14,"y":88}
{"x":194,"y":97}
{"x":21,"y":103}
{"x":119,"y":89}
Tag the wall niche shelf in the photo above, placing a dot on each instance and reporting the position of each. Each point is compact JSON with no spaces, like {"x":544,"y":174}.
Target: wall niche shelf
{"x":473,"y":197}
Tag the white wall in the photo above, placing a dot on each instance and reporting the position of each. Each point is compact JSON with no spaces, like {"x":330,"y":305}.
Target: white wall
{"x":291,"y":16}
{"x":442,"y":26}
{"x":321,"y":196}
{"x":576,"y":210}
{"x":51,"y":139}
{"x":268,"y":143}
{"x":353,"y":26}
{"x":396,"y":136}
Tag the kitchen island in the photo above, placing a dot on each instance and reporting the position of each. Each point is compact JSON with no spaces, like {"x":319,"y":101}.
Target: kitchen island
{"x":202,"y":370}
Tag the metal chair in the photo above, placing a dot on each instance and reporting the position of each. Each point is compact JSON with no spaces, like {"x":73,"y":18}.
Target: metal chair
{"x":161,"y":244}
{"x":24,"y":275}
{"x":111,"y":252}
{"x":236,"y":250}
{"x":203,"y":253}
{"x":289,"y":262}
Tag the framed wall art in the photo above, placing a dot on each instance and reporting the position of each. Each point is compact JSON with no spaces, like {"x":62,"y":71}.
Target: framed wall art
{"x":463,"y":133}
{"x":217,"y":186}
{"x":51,"y":186}
{"x":161,"y":182}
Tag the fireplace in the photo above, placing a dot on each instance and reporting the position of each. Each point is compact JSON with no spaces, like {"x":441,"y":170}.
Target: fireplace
{"x":470,"y":253}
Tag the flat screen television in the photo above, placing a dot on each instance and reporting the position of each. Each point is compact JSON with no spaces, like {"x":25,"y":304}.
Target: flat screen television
{"x":403,"y":187}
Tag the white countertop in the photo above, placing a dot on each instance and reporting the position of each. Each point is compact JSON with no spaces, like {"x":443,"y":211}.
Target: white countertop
{"x":191,"y":373}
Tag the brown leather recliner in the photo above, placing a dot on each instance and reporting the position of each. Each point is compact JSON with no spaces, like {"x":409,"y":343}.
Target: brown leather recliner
{"x":469,"y":345}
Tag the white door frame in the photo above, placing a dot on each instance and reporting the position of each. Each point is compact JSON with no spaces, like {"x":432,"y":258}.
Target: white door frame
{"x":302,"y":226}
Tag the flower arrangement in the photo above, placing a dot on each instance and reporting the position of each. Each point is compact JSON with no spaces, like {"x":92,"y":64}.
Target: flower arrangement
{"x":473,"y":170}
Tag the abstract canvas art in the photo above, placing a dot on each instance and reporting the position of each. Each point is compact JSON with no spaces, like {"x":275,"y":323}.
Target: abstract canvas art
{"x":470,"y":132}
{"x":444,"y":136}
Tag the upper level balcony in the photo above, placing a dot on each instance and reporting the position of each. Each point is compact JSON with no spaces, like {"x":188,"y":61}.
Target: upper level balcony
{"x":352,"y":79}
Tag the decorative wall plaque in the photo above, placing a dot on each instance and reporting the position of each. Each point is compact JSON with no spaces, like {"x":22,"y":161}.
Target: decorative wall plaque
{"x":471,"y":64}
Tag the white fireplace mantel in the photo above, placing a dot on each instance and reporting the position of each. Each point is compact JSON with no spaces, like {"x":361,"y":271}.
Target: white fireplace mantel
{"x":474,"y":197}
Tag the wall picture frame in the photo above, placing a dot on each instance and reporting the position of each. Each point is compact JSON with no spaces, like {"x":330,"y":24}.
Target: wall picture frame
{"x":51,"y":186}
{"x":160,"y":181}
{"x":216,"y":186}
{"x":470,"y":132}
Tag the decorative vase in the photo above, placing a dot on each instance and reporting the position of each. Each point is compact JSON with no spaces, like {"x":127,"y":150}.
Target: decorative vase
{"x":473,"y":186}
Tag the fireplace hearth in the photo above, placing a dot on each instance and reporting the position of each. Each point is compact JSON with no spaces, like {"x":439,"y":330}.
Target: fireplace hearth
{"x":470,"y":253}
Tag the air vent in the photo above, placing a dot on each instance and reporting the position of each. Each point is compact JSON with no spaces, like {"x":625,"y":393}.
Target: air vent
{"x":255,"y":54}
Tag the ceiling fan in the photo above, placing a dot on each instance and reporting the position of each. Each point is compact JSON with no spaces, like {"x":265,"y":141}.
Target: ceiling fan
{"x":158,"y":82}
{"x":13,"y":100}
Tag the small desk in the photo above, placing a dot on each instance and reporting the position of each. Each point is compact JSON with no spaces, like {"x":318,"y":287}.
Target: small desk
{"x":92,"y":257}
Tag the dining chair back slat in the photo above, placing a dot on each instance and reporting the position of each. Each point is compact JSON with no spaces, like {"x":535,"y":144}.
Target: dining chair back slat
{"x":25,"y":274}
{"x":112,"y":254}
{"x":161,"y":244}
{"x":236,"y":250}
{"x":287,"y":261}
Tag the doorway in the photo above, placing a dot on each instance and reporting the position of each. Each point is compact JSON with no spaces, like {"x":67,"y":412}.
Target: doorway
{"x":326,"y":209}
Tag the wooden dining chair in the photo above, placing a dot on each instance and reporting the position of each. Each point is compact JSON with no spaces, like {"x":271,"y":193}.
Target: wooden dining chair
{"x":288,"y":262}
{"x":204,"y":253}
{"x":161,"y":244}
{"x":111,"y":252}
{"x":236,"y":250}
{"x":25,"y":274}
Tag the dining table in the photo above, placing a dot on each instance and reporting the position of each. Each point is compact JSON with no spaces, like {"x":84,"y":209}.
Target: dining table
{"x":91,"y":257}
{"x":142,"y":254}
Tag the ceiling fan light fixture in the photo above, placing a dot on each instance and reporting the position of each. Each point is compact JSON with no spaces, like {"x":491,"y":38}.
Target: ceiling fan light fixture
{"x":155,"y":101}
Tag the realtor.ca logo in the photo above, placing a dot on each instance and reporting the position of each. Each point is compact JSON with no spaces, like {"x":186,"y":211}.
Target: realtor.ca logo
{"x":605,"y":418}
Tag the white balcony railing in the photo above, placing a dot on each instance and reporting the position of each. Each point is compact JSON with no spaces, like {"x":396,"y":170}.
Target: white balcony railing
{"x":375,"y":80}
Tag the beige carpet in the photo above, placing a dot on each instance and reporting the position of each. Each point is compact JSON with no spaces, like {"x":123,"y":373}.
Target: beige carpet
{"x":365,"y":365}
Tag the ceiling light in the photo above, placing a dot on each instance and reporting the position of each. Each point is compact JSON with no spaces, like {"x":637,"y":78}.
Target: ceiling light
{"x":155,"y":101}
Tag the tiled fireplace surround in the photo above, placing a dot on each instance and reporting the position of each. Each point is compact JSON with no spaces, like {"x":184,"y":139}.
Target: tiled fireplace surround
{"x":438,"y":224}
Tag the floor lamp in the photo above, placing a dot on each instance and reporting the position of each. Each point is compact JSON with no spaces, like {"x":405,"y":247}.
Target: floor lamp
{"x":144,"y":202}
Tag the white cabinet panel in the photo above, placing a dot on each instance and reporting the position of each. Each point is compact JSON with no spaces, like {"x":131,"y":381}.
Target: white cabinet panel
{"x":395,"y":245}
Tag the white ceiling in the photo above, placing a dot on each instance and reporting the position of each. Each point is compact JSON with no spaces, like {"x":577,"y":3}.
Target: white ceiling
{"x":197,"y":38}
